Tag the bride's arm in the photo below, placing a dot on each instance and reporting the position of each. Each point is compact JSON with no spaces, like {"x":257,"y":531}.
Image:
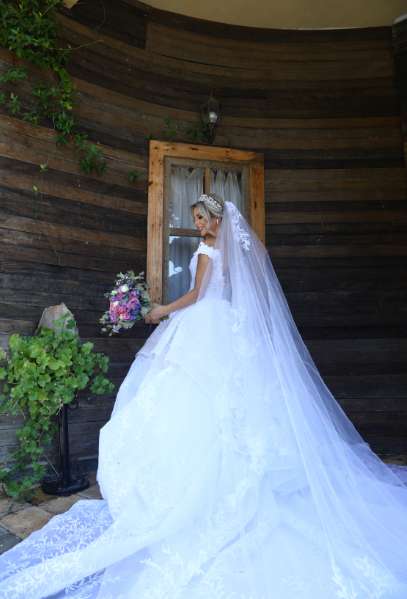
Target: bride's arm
{"x":185,"y":300}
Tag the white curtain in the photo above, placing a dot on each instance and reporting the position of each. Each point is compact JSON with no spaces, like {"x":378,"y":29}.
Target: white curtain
{"x":228,"y":185}
{"x":186,"y":186}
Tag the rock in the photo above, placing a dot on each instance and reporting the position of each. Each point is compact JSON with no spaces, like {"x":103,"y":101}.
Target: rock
{"x":51,"y":314}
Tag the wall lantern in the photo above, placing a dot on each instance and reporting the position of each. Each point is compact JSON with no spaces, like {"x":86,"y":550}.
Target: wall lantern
{"x":210,"y":116}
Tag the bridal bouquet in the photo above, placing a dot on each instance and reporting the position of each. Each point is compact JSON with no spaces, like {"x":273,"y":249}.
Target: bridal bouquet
{"x":129,"y":301}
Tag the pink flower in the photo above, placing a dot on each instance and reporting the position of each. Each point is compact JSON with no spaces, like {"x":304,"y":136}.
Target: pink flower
{"x":123,"y":313}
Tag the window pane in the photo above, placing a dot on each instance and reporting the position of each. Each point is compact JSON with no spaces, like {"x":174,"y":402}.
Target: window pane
{"x":180,"y":250}
{"x":186,"y":185}
{"x":228,"y":184}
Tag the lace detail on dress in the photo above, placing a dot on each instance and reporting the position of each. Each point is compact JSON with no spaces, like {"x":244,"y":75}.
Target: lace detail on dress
{"x":373,"y":582}
{"x":240,"y":233}
{"x":63,"y":537}
{"x":217,"y":280}
{"x":204,"y":248}
{"x":206,"y":491}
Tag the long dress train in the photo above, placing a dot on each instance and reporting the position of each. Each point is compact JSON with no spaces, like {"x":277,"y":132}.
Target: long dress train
{"x":227,"y":469}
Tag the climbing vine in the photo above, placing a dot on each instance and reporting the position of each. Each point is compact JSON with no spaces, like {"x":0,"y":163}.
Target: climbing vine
{"x":196,"y":133}
{"x":28,"y":28}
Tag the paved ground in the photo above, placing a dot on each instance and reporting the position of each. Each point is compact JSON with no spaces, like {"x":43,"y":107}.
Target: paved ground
{"x":18,"y":520}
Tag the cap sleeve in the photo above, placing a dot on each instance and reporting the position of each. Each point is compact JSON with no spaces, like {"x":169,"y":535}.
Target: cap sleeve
{"x":203,"y":248}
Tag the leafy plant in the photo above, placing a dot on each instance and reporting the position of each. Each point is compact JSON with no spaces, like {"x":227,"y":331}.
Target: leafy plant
{"x":198,"y":133}
{"x":133,"y":176}
{"x":42,"y":373}
{"x":171,"y":130}
{"x":91,"y":155}
{"x":14,"y":104}
{"x":13,"y":74}
{"x":29,"y":29}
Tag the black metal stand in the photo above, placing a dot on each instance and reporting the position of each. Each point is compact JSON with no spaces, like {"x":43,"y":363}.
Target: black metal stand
{"x":64,"y":484}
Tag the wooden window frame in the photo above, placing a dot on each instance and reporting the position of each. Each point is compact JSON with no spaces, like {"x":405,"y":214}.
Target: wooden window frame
{"x":156,"y":227}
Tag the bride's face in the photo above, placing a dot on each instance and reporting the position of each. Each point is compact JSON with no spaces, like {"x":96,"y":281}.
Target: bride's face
{"x":203,"y":225}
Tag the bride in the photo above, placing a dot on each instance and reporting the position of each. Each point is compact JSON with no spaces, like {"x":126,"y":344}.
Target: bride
{"x":227,"y":469}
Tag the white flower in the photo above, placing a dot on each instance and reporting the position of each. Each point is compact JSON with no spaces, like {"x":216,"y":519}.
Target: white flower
{"x":124,"y":288}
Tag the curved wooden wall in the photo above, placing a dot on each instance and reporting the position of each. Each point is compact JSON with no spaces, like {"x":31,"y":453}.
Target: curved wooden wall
{"x":323,"y":107}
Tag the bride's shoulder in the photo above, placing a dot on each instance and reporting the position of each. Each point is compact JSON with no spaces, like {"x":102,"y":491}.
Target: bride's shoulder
{"x":204,"y":248}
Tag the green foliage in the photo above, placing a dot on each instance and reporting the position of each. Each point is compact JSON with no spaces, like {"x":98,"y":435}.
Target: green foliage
{"x":14,"y":104}
{"x":195,"y":133}
{"x":134,"y":175}
{"x":172,"y":130}
{"x":91,"y":155}
{"x":42,"y":373}
{"x":198,"y":133}
{"x":29,"y":29}
{"x":13,"y":74}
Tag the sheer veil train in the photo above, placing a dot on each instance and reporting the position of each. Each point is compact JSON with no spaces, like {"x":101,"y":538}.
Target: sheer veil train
{"x":360,"y":502}
{"x":228,"y":470}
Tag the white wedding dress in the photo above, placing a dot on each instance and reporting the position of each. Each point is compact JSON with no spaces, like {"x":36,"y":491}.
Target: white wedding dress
{"x":227,"y":469}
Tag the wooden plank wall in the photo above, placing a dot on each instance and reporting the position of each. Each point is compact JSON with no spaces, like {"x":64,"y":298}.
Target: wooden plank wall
{"x":400,"y":57}
{"x":323,"y":107}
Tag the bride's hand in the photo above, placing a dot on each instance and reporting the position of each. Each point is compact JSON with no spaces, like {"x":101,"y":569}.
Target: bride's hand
{"x":155,"y":315}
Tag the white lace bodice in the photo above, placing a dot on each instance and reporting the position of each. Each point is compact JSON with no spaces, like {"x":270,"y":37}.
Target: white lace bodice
{"x":216,"y":283}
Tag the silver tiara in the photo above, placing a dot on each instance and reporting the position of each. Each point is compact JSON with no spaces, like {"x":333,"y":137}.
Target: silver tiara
{"x":211,"y":202}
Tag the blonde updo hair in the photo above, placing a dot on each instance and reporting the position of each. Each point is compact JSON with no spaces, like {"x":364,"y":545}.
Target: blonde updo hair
{"x":209,"y":205}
